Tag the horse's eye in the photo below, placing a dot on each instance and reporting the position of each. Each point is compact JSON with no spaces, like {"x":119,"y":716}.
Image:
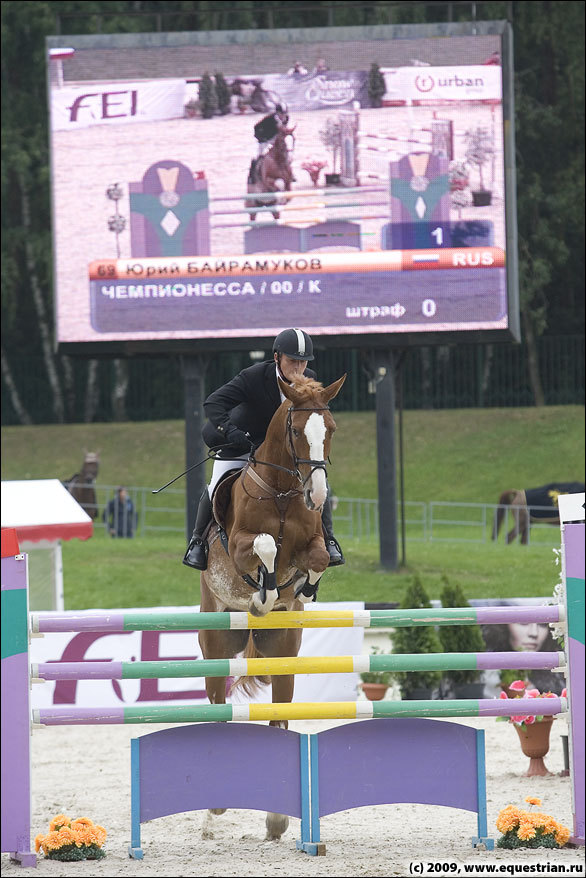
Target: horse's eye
{"x":296,"y":433}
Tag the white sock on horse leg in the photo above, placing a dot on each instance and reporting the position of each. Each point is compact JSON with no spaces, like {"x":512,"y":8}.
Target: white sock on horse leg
{"x":265,"y":549}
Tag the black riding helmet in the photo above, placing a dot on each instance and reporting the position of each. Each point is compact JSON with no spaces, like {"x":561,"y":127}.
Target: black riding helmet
{"x":295,"y":343}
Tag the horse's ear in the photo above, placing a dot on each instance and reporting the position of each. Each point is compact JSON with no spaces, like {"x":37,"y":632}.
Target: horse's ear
{"x":333,"y":389}
{"x":289,"y":391}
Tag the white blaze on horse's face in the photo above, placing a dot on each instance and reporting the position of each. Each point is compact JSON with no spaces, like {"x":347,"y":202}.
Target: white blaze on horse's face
{"x":317,"y":487}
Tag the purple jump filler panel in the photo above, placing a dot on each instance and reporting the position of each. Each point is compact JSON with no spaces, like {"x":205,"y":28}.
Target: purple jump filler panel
{"x":370,"y":762}
{"x":213,"y":765}
{"x":397,"y":760}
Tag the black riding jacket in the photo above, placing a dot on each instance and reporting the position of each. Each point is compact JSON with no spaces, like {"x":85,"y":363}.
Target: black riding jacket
{"x":248,"y":401}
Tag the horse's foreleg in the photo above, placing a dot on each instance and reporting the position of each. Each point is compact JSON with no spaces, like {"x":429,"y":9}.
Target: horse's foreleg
{"x":315,"y":560}
{"x":262,"y":546}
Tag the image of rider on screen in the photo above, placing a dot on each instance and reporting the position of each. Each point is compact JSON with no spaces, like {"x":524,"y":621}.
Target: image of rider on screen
{"x":269,"y":126}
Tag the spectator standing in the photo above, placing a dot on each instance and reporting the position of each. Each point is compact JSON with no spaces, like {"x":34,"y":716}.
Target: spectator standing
{"x":119,"y":515}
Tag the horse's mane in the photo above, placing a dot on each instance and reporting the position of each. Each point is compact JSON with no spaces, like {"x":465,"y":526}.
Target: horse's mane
{"x":309,"y":387}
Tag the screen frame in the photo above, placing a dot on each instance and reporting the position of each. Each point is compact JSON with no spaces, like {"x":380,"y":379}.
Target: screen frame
{"x":311,"y":36}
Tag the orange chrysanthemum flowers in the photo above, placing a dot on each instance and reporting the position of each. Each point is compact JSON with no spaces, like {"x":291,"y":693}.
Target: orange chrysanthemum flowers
{"x":533,"y":828}
{"x":67,"y":835}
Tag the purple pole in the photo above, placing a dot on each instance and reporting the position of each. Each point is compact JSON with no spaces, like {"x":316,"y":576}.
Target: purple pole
{"x":573,"y":577}
{"x":15,"y":737}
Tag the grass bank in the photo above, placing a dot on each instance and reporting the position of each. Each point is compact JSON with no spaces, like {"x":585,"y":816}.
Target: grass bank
{"x":468,"y":455}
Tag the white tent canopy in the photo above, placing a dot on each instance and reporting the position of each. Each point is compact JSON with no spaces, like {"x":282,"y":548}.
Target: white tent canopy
{"x":43,"y":512}
{"x":43,"y":509}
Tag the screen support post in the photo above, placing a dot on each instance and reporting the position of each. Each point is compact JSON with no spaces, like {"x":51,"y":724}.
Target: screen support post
{"x":385,"y":366}
{"x":194,"y":369}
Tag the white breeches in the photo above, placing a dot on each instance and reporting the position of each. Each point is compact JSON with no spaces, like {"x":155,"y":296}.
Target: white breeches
{"x":223,"y":466}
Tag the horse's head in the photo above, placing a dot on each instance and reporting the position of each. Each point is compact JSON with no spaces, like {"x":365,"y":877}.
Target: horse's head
{"x":310,"y":427}
{"x":91,"y":465}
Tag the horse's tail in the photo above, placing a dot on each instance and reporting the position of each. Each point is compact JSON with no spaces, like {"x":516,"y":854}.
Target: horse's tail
{"x":505,"y":499}
{"x":250,"y":685}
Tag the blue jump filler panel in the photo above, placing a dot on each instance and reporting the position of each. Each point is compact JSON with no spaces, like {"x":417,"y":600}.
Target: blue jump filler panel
{"x":385,"y":761}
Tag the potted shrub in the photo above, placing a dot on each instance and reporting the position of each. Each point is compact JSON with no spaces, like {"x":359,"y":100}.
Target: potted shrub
{"x":331,"y":137}
{"x":375,"y":683}
{"x":421,"y":640}
{"x":459,"y":638}
{"x":479,"y":149}
{"x":459,"y":178}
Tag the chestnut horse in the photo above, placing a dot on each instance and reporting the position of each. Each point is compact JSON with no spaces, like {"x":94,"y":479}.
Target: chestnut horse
{"x":266,"y":170}
{"x":530,"y":507}
{"x":81,"y":485}
{"x":275,"y":545}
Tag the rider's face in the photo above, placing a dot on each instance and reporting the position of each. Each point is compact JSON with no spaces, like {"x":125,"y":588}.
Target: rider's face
{"x":291,"y":369}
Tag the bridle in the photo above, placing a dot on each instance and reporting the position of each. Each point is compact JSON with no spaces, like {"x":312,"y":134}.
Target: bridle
{"x":314,"y":464}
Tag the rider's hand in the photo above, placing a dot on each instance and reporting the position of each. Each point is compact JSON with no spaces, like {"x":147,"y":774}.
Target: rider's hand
{"x":237,"y":437}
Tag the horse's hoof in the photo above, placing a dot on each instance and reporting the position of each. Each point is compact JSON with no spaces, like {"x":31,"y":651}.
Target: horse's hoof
{"x":217,"y":810}
{"x":276,"y":825}
{"x":257,"y":608}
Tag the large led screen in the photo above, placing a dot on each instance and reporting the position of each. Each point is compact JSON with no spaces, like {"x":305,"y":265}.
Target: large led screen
{"x":379,"y":208}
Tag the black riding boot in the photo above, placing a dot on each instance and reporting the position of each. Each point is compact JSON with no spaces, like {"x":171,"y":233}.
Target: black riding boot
{"x":197,"y":552}
{"x":332,"y":545}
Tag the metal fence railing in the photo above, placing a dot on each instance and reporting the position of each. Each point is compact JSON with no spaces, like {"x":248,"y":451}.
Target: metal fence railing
{"x":461,"y":376}
{"x":354,"y":518}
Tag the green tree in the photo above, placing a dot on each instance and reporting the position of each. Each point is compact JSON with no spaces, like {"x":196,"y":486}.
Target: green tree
{"x":421,"y":640}
{"x":208,"y":98}
{"x":223,"y":95}
{"x":458,"y":638}
{"x":549,"y":131}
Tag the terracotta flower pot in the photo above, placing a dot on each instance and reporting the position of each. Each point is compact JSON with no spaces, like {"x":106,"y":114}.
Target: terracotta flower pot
{"x":374,"y":691}
{"x":535,"y":744}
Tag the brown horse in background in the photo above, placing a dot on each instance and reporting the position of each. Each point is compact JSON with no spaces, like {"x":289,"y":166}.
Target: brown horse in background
{"x":81,"y":485}
{"x":271,"y":544}
{"x":266,"y":170}
{"x":534,"y":505}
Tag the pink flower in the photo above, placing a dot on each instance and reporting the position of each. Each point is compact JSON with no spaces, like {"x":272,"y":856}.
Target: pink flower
{"x":564,"y":693}
{"x":532,"y":693}
{"x":529,"y":720}
{"x":518,"y":685}
{"x":504,"y":695}
{"x":519,"y":720}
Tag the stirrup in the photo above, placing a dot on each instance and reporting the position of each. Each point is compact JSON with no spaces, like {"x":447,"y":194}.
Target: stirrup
{"x":335,"y":552}
{"x":193,"y":558}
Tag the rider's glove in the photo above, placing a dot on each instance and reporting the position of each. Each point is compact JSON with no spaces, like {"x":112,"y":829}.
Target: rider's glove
{"x":237,"y":438}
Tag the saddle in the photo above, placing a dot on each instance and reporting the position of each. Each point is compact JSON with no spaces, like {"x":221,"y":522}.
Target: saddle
{"x":222,"y":495}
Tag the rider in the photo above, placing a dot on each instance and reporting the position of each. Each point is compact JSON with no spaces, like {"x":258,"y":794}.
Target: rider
{"x":267,"y":129}
{"x":239,"y":414}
